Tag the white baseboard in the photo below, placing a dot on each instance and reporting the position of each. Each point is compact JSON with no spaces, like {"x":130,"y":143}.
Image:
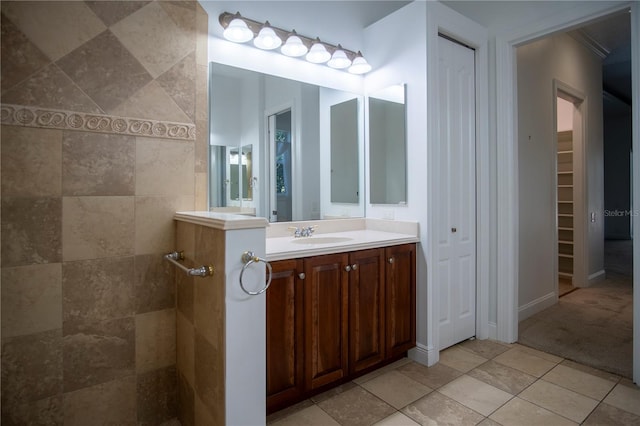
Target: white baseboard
{"x":596,"y":277}
{"x":424,"y":355}
{"x":537,"y":305}
{"x":492,"y":331}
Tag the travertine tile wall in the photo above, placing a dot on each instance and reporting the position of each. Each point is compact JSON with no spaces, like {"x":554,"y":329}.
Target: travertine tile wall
{"x":104,"y":113}
{"x":200,"y":328}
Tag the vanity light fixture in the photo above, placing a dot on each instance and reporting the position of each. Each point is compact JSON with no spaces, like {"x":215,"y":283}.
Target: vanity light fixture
{"x":318,"y":54}
{"x":339,"y":59}
{"x":294,"y":46}
{"x":359,"y":65}
{"x":239,"y":29}
{"x":267,"y":39}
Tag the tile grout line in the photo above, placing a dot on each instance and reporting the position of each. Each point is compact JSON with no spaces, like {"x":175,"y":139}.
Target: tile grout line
{"x":512,"y":396}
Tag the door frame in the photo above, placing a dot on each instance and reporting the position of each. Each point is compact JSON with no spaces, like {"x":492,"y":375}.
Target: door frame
{"x":580,"y":260}
{"x":507,"y":157}
{"x":442,"y":20}
{"x":268,"y":170}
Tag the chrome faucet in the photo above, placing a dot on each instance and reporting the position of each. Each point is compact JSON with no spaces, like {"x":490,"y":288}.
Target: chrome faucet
{"x":296,"y":231}
{"x":305,"y":231}
{"x":308,"y":231}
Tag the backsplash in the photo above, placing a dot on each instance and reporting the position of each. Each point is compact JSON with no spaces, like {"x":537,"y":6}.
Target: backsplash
{"x":104,"y":137}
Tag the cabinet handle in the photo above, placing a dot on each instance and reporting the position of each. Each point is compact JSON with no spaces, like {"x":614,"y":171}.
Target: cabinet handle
{"x":347,"y":268}
{"x":354,"y":266}
{"x":391,"y":260}
{"x":302,"y":276}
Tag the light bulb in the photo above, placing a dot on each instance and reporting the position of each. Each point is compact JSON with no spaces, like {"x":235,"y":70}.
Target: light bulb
{"x":318,"y":53}
{"x":359,"y":65}
{"x":267,"y":39}
{"x":339,"y":59}
{"x":294,"y":46}
{"x":238,"y":31}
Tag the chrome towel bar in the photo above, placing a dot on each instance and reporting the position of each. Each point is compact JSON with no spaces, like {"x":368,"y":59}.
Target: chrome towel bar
{"x":248,"y":258}
{"x":203,"y":271}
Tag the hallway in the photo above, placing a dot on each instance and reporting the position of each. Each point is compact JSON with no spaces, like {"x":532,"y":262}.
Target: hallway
{"x":594,"y":325}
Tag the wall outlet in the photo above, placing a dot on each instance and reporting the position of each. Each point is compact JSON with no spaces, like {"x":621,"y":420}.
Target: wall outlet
{"x":388,"y":214}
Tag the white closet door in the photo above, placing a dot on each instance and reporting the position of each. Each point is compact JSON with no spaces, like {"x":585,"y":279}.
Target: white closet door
{"x":456,"y":268}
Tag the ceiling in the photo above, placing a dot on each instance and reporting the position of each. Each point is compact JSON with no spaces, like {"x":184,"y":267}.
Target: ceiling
{"x":610,"y":38}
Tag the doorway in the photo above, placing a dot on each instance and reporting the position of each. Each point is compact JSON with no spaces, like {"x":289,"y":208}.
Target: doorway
{"x":581,"y":319}
{"x":281,"y":158}
{"x":570,"y":194}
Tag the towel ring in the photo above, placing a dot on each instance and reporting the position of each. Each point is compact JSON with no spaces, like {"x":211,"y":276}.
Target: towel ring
{"x":248,"y":258}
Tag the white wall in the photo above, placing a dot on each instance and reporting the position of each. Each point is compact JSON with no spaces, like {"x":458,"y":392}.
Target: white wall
{"x":539,"y":63}
{"x":395,"y":61}
{"x":335,"y":22}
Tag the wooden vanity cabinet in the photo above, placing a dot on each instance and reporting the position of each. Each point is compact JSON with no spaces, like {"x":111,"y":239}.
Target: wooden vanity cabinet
{"x":285,"y":334}
{"x":366,"y":309}
{"x":333,"y":317}
{"x":326,"y":292}
{"x":400,"y":303}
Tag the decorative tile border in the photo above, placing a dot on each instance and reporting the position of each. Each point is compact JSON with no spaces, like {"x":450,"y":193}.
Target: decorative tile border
{"x":19,"y":115}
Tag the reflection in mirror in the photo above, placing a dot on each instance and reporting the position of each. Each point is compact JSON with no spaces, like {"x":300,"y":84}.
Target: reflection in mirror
{"x":234,"y":175}
{"x":387,"y":146}
{"x":281,"y":187}
{"x":247,"y":173}
{"x":218,"y":193}
{"x":270,"y":147}
{"x":240,"y":173}
{"x":344,"y":152}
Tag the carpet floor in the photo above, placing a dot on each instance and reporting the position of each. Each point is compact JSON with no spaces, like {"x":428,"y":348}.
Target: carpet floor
{"x":593,"y":325}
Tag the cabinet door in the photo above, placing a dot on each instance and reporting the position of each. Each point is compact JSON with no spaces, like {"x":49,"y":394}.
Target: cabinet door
{"x":366,"y":309}
{"x":400,"y":298}
{"x":285,"y":338}
{"x":326,"y":322}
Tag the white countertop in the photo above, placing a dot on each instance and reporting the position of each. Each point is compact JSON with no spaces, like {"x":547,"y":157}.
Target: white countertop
{"x":330,"y":236}
{"x":224,"y":221}
{"x":289,"y":247}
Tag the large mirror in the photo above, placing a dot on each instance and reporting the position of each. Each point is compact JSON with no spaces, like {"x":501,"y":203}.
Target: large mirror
{"x":344,"y":152}
{"x":283,"y":149}
{"x":387,"y":146}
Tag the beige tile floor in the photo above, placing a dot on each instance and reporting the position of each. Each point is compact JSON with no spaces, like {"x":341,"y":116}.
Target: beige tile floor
{"x":477,"y":382}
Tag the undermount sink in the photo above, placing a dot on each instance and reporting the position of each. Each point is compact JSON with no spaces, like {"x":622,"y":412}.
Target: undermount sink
{"x":321,"y":240}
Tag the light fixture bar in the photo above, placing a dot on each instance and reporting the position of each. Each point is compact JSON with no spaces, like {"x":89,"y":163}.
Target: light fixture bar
{"x":256,"y":27}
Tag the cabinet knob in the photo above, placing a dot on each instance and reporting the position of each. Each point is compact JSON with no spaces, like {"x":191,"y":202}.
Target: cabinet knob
{"x":454,"y":230}
{"x":347,"y":268}
{"x":391,"y":260}
{"x":354,"y":266}
{"x":302,"y":276}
